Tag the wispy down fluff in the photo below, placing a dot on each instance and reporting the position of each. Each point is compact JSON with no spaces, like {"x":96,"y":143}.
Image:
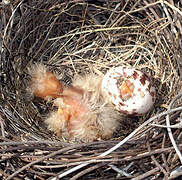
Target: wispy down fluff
{"x":82,"y":113}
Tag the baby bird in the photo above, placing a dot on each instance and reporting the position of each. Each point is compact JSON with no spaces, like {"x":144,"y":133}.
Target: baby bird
{"x":82,"y":113}
{"x":44,"y":84}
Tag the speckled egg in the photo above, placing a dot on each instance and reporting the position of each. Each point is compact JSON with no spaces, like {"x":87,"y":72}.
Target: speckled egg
{"x":129,"y":90}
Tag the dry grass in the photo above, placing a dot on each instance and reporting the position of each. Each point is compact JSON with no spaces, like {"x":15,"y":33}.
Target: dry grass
{"x":90,"y":36}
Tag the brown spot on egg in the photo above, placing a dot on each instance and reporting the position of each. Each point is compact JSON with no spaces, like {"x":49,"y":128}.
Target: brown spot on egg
{"x":118,"y":75}
{"x":120,"y":103}
{"x":114,"y":95}
{"x":135,"y":114}
{"x":135,"y":75}
{"x":124,"y":111}
{"x":142,"y":94}
{"x":143,"y":79}
{"x":149,"y":86}
{"x":124,"y":74}
{"x":113,"y":104}
{"x":119,"y":81}
{"x":152,"y":94}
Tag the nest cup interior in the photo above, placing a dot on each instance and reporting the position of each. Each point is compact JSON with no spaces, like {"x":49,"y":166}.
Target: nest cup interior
{"x":78,"y":38}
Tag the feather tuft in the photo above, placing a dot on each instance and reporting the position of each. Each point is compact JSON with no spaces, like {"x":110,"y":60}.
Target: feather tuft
{"x":82,"y":112}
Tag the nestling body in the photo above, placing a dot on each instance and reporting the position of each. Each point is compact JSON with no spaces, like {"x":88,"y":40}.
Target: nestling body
{"x":82,"y":113}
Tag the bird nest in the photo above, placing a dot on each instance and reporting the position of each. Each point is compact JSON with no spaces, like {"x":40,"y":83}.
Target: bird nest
{"x":78,"y":37}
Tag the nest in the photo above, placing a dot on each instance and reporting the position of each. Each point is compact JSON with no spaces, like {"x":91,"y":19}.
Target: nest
{"x":78,"y":37}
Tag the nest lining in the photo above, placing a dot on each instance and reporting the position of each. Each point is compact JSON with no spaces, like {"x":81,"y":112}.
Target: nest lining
{"x":79,"y":37}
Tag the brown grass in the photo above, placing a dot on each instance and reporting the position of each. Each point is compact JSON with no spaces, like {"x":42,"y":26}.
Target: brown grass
{"x":80,"y":37}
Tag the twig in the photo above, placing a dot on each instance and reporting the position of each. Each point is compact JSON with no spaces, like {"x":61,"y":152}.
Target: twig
{"x":10,"y":20}
{"x":120,"y":171}
{"x":12,"y":143}
{"x":178,"y":125}
{"x":41,"y":159}
{"x":169,"y":129}
{"x":120,"y":143}
{"x":163,"y":155}
{"x":156,"y":162}
{"x":2,"y":126}
{"x":149,"y":173}
{"x":87,"y":171}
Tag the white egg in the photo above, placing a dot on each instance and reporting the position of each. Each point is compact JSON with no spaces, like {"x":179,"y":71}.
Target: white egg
{"x":129,"y":90}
